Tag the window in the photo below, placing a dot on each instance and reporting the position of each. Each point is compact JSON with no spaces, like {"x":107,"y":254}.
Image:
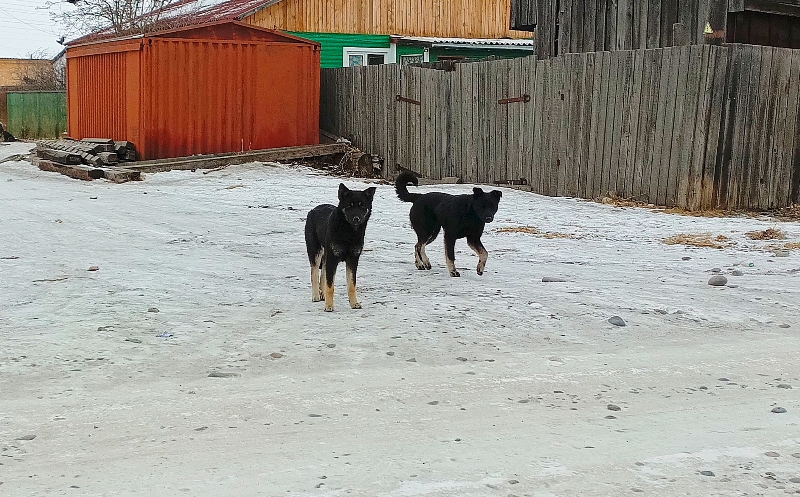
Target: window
{"x":355,"y":60}
{"x":375,"y":59}
{"x":412,"y":59}
{"x":354,"y":56}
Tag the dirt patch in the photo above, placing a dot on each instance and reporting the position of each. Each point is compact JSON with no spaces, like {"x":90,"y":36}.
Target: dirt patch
{"x":768,"y":234}
{"x":712,"y":213}
{"x":705,"y":240}
{"x":787,"y":214}
{"x":783,"y":246}
{"x":623,"y":202}
{"x":532,"y":230}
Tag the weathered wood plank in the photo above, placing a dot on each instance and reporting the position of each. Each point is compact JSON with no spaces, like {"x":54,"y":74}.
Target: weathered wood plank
{"x":716,"y":138}
{"x":572,"y":107}
{"x":751,"y":129}
{"x":690,"y":116}
{"x":621,"y":67}
{"x":777,"y":180}
{"x":634,"y":120}
{"x":585,"y":125}
{"x":602,"y":130}
{"x":659,"y":125}
{"x":559,"y":131}
{"x":794,"y":91}
{"x":625,"y":124}
{"x":677,"y":146}
{"x":76,"y":171}
{"x":787,"y":185}
{"x":763,"y":138}
{"x":216,"y":160}
{"x":590,"y":124}
{"x":694,"y":178}
{"x":669,"y":97}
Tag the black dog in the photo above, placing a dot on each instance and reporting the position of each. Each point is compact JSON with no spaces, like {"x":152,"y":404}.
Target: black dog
{"x":335,"y":234}
{"x":461,"y":216}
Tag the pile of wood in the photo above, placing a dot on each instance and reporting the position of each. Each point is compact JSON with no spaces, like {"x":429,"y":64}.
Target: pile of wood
{"x":90,"y":151}
{"x":88,"y":159}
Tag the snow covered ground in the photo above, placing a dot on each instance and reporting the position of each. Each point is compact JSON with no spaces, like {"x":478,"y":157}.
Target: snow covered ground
{"x":497,"y":385}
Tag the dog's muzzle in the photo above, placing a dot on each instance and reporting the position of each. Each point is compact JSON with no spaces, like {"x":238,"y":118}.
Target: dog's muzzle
{"x":357,"y":220}
{"x":489,"y":219}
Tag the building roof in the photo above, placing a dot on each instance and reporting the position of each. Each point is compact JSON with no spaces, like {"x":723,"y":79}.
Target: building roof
{"x":185,"y":13}
{"x":433,"y":42}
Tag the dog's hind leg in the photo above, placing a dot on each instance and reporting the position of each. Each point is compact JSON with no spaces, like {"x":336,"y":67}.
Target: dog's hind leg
{"x":476,"y":245}
{"x":450,"y":255}
{"x":322,"y":277}
{"x":423,"y":239}
{"x":316,"y":291}
{"x":420,"y":257}
{"x":352,"y":266}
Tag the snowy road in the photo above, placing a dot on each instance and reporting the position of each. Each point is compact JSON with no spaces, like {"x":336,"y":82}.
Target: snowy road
{"x":490,"y":385}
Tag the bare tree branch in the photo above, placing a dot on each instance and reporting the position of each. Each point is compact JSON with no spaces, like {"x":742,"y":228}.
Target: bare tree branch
{"x":119,"y":16}
{"x":40,"y":74}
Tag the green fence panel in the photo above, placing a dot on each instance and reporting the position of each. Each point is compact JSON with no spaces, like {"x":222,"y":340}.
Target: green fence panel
{"x":37,"y":114}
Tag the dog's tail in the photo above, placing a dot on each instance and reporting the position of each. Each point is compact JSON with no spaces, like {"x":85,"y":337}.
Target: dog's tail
{"x":401,"y":186}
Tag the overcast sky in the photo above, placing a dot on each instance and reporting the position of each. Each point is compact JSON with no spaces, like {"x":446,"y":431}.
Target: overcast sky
{"x":25,"y":28}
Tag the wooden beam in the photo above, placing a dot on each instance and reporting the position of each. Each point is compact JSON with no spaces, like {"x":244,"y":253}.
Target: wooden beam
{"x":77,"y":171}
{"x":773,"y":7}
{"x":121,"y":174}
{"x":217,"y":160}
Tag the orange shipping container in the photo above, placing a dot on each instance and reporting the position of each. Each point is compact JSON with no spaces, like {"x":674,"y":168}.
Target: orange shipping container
{"x":222,"y":87}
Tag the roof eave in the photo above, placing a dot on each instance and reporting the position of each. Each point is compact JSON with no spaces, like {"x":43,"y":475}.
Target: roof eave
{"x":256,"y":10}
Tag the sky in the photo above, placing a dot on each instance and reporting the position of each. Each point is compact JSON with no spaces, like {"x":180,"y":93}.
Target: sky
{"x":26,"y":28}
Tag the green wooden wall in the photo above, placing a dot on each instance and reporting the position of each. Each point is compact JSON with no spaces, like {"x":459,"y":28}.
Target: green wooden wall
{"x":33,"y":115}
{"x":332,"y":45}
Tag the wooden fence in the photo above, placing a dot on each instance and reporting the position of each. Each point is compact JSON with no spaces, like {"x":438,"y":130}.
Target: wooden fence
{"x":699,"y":127}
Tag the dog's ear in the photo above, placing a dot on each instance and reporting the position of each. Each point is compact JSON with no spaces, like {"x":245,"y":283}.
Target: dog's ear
{"x":343,"y":191}
{"x":477,"y":192}
{"x":370,"y":191}
{"x":496,"y":193}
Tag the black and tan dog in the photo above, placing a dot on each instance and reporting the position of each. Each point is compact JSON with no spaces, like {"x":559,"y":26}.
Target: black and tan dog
{"x":461,"y":216}
{"x":335,"y":234}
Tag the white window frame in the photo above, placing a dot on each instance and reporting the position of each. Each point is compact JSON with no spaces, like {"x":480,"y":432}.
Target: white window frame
{"x":389,"y":54}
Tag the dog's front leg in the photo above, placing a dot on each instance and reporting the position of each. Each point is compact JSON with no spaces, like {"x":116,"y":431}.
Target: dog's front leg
{"x":450,"y":255}
{"x":329,"y":270}
{"x":476,"y":245}
{"x":352,"y":265}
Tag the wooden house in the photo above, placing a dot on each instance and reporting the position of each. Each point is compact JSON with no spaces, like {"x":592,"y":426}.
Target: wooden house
{"x":367,"y":32}
{"x":569,"y":26}
{"x":14,"y":71}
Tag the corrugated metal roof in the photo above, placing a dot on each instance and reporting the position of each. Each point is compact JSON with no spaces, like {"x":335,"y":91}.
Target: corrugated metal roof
{"x":521,"y":44}
{"x":187,"y":13}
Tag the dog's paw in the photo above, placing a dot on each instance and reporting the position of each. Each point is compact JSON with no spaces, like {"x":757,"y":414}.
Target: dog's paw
{"x":480,"y":271}
{"x":316,"y":298}
{"x":420,"y":266}
{"x":355,"y":306}
{"x":328,"y":309}
{"x":455,"y":274}
{"x":428,"y":266}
